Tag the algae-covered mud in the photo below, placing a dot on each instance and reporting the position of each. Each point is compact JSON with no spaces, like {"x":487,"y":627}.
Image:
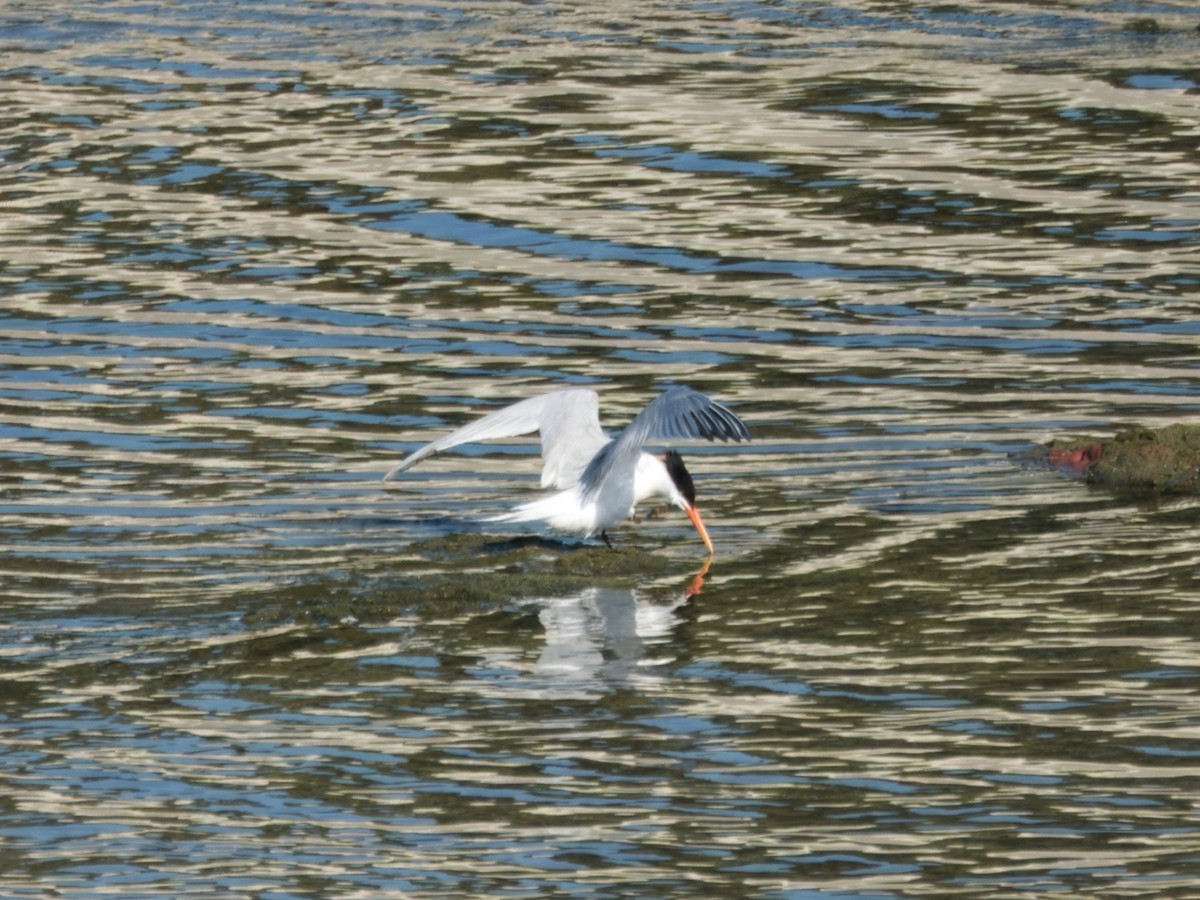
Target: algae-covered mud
{"x":1135,"y":459}
{"x":454,"y":573}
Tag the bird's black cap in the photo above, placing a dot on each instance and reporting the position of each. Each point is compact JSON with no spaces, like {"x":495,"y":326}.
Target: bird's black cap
{"x":680,"y":475}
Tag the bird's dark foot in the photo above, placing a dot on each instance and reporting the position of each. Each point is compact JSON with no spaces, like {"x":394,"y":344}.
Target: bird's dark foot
{"x":607,"y":542}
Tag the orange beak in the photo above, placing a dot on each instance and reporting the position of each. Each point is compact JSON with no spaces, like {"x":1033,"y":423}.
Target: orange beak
{"x":694,"y":515}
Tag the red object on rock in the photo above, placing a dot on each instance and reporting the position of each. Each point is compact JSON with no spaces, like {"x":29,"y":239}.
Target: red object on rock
{"x":1077,"y":460}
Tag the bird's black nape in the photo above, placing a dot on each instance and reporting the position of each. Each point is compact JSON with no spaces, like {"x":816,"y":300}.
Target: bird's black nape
{"x":680,"y":475}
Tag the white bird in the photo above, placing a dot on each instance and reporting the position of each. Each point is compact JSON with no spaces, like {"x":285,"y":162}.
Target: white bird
{"x":599,"y":478}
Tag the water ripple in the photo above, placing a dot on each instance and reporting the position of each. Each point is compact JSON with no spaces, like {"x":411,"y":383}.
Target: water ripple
{"x":253,"y":254}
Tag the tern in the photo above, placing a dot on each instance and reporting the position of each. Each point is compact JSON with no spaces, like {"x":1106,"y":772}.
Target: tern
{"x":600,"y":478}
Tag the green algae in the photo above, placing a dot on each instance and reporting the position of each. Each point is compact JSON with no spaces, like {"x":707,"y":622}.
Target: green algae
{"x":1165,"y":460}
{"x":462,"y":572}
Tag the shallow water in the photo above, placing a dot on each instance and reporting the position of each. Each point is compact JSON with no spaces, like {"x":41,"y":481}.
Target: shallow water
{"x":252,"y":255}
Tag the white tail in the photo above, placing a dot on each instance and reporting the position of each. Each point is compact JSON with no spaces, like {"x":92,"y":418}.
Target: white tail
{"x":564,"y":511}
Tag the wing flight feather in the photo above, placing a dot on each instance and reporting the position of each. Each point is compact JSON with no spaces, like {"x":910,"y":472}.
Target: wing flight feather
{"x":568,"y":421}
{"x":678,"y":413}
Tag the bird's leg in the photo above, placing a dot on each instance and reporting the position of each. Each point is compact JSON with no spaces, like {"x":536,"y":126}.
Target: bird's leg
{"x":607,"y":542}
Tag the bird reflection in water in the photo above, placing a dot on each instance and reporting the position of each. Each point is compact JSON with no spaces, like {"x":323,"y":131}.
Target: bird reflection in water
{"x":605,"y":633}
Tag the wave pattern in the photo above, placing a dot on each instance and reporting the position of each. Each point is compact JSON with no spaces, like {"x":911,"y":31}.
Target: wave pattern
{"x":253,"y":254}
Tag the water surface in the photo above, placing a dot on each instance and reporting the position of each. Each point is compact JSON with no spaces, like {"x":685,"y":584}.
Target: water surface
{"x":252,"y":255}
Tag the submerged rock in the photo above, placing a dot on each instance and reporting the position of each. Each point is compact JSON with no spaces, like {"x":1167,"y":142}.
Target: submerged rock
{"x":1161,"y":461}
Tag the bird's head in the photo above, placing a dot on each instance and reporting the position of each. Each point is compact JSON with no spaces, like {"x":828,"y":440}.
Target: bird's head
{"x":682,"y":492}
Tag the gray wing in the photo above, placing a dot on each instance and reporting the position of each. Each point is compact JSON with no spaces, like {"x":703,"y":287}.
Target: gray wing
{"x":568,"y":421}
{"x":679,"y":413}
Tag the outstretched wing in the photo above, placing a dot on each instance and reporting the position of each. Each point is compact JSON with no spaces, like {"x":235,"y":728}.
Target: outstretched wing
{"x":679,"y":413}
{"x":568,"y":421}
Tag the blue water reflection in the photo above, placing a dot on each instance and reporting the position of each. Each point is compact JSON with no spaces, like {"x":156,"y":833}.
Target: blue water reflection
{"x":254,"y":254}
